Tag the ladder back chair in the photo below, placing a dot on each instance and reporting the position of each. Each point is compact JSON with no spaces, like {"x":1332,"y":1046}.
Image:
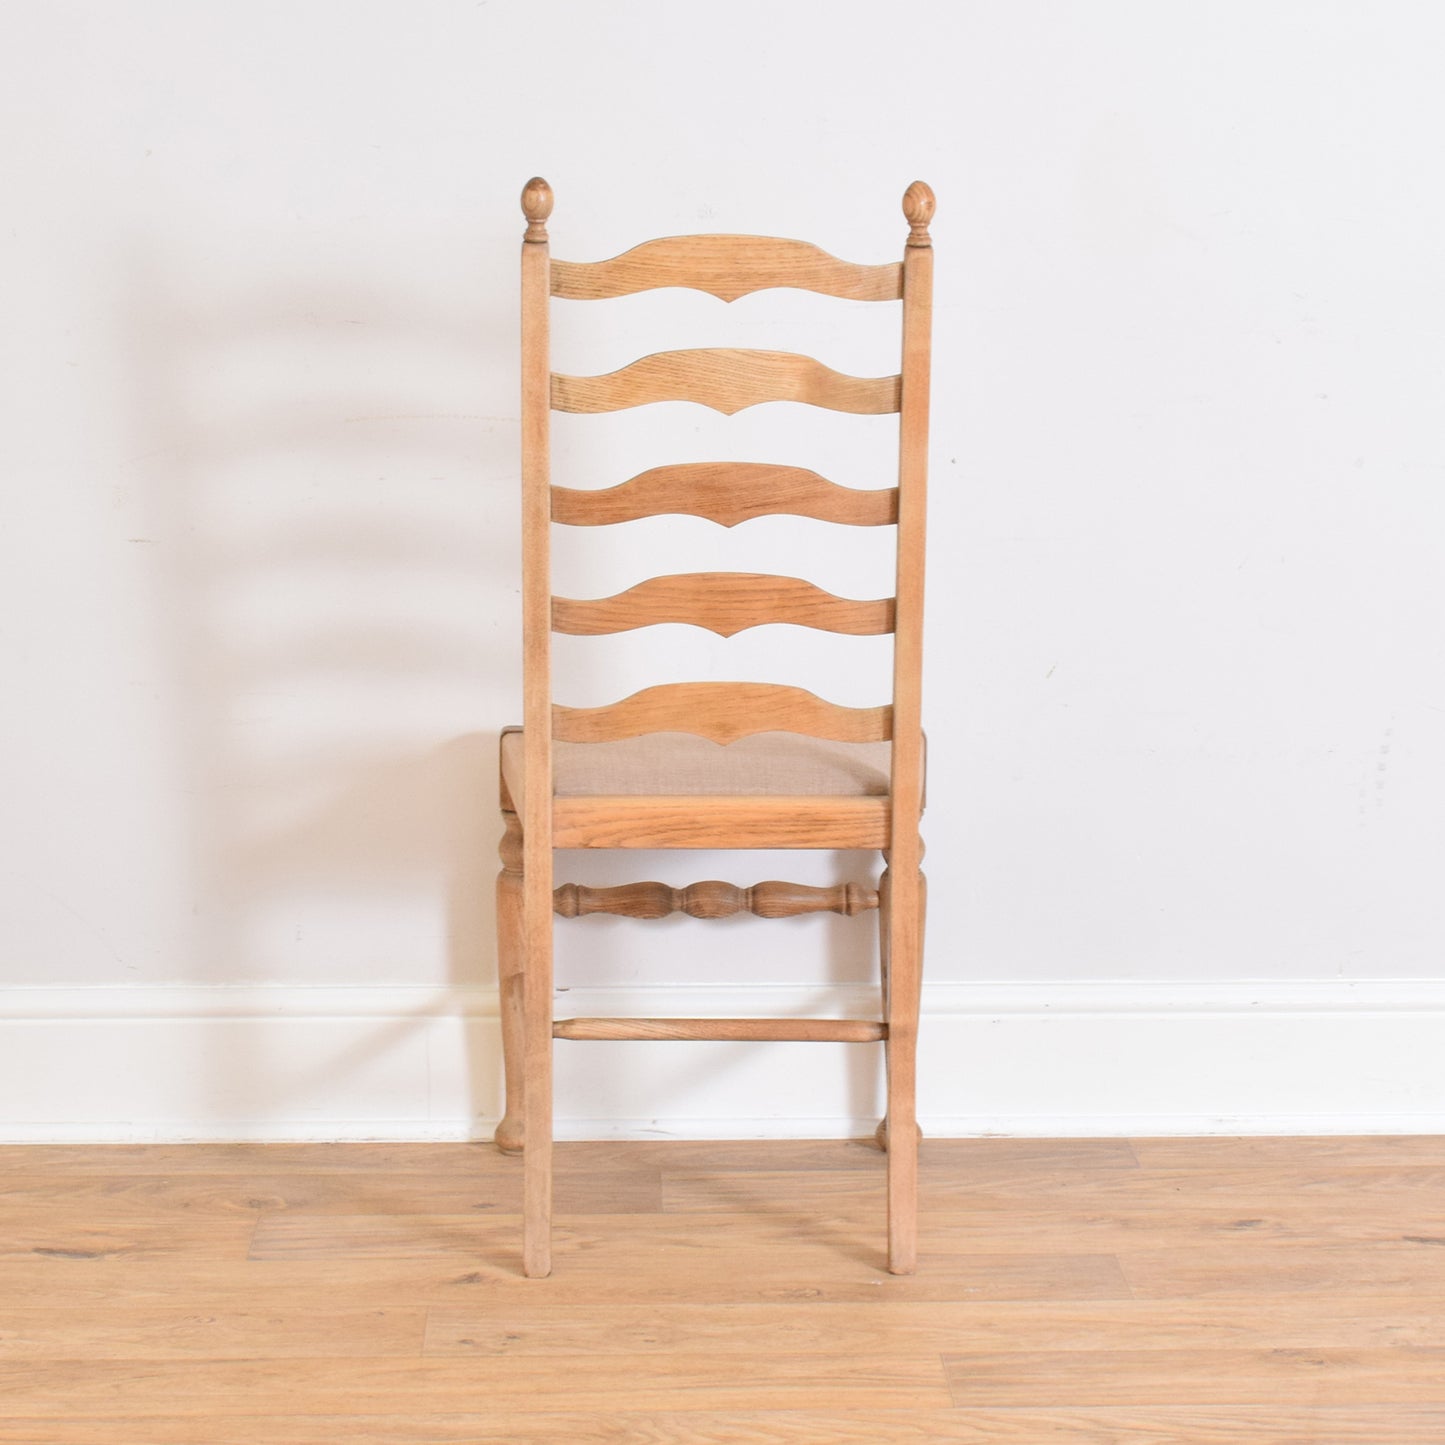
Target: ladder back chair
{"x":715,"y":765}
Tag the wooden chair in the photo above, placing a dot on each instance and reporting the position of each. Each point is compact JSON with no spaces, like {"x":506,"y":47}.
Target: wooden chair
{"x":648,"y":771}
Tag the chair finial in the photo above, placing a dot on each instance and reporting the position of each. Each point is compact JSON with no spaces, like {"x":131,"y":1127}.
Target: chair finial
{"x":918,"y":207}
{"x":537,"y":201}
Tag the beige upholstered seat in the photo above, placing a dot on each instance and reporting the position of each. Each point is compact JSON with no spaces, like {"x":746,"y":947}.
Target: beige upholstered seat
{"x":680,"y":764}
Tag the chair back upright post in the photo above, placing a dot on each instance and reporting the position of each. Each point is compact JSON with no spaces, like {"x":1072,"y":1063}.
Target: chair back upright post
{"x":536,"y":804}
{"x":903,"y":886}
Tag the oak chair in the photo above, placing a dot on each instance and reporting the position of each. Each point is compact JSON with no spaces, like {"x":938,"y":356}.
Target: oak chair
{"x":715,"y":764}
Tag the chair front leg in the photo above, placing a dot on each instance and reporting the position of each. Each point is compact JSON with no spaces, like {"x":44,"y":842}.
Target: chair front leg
{"x":880,"y":1134}
{"x":510,"y":960}
{"x":885,"y":887}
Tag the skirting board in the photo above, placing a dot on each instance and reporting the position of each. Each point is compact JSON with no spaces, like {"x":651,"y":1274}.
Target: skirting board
{"x":1119,"y":1058}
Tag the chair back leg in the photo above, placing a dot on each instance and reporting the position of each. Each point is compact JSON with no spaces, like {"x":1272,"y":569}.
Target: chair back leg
{"x":902,"y":899}
{"x":537,"y":1059}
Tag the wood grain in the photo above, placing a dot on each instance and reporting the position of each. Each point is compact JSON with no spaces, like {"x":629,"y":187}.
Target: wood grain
{"x":726,"y":493}
{"x":727,"y":267}
{"x":727,"y":379}
{"x":725,"y":603}
{"x":723,"y":712}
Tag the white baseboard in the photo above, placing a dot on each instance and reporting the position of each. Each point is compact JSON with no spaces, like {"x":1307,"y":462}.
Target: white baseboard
{"x":279,"y":1062}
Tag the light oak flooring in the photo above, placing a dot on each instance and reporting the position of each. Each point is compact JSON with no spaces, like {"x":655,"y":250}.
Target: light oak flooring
{"x":1250,"y":1291}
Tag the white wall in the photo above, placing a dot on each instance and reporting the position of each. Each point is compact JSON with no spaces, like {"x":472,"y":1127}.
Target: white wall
{"x":259,"y":592}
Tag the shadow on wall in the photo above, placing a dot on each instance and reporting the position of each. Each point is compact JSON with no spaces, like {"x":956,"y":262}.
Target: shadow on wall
{"x":334,"y":527}
{"x":336,"y":588}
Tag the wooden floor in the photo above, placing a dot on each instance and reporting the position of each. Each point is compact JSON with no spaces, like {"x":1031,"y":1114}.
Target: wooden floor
{"x":1258,"y":1291}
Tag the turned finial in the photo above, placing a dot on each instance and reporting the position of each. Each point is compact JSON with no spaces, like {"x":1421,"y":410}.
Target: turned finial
{"x":537,"y":201}
{"x":918,"y":207}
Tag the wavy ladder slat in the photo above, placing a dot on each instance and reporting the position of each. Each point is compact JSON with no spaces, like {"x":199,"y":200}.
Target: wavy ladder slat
{"x":726,"y":493}
{"x":728,"y":379}
{"x":723,"y":712}
{"x":726,"y":267}
{"x":722,"y":602}
{"x":713,"y":899}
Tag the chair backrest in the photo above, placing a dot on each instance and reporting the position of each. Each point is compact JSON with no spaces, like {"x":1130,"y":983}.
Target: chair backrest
{"x":728,"y":266}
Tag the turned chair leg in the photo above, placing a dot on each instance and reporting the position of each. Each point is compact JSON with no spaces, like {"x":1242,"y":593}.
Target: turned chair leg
{"x":537,"y":1058}
{"x":902,"y":893}
{"x":880,"y":1134}
{"x":510,"y":944}
{"x":885,"y":886}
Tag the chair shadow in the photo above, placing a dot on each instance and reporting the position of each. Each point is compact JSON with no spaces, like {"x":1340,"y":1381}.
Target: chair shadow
{"x":856,"y":1239}
{"x":331,"y":587}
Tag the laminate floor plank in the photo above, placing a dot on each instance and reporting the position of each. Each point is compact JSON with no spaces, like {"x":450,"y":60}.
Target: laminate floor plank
{"x":434,"y":1271}
{"x":100,"y":1234}
{"x":1413,"y":1268}
{"x":943,"y":1327}
{"x":1351,"y":1151}
{"x":1150,"y":1425}
{"x":1310,"y":1224}
{"x":1309,"y":1377}
{"x":479,"y":1159}
{"x":963,"y":1185}
{"x":351,"y":1191}
{"x":168,"y":1206}
{"x":937,"y":1157}
{"x":1146,"y":1205}
{"x":131,"y":1388}
{"x":127,"y":1331}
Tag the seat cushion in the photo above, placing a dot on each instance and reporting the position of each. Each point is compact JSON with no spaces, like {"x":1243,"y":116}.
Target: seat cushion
{"x":679,"y":764}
